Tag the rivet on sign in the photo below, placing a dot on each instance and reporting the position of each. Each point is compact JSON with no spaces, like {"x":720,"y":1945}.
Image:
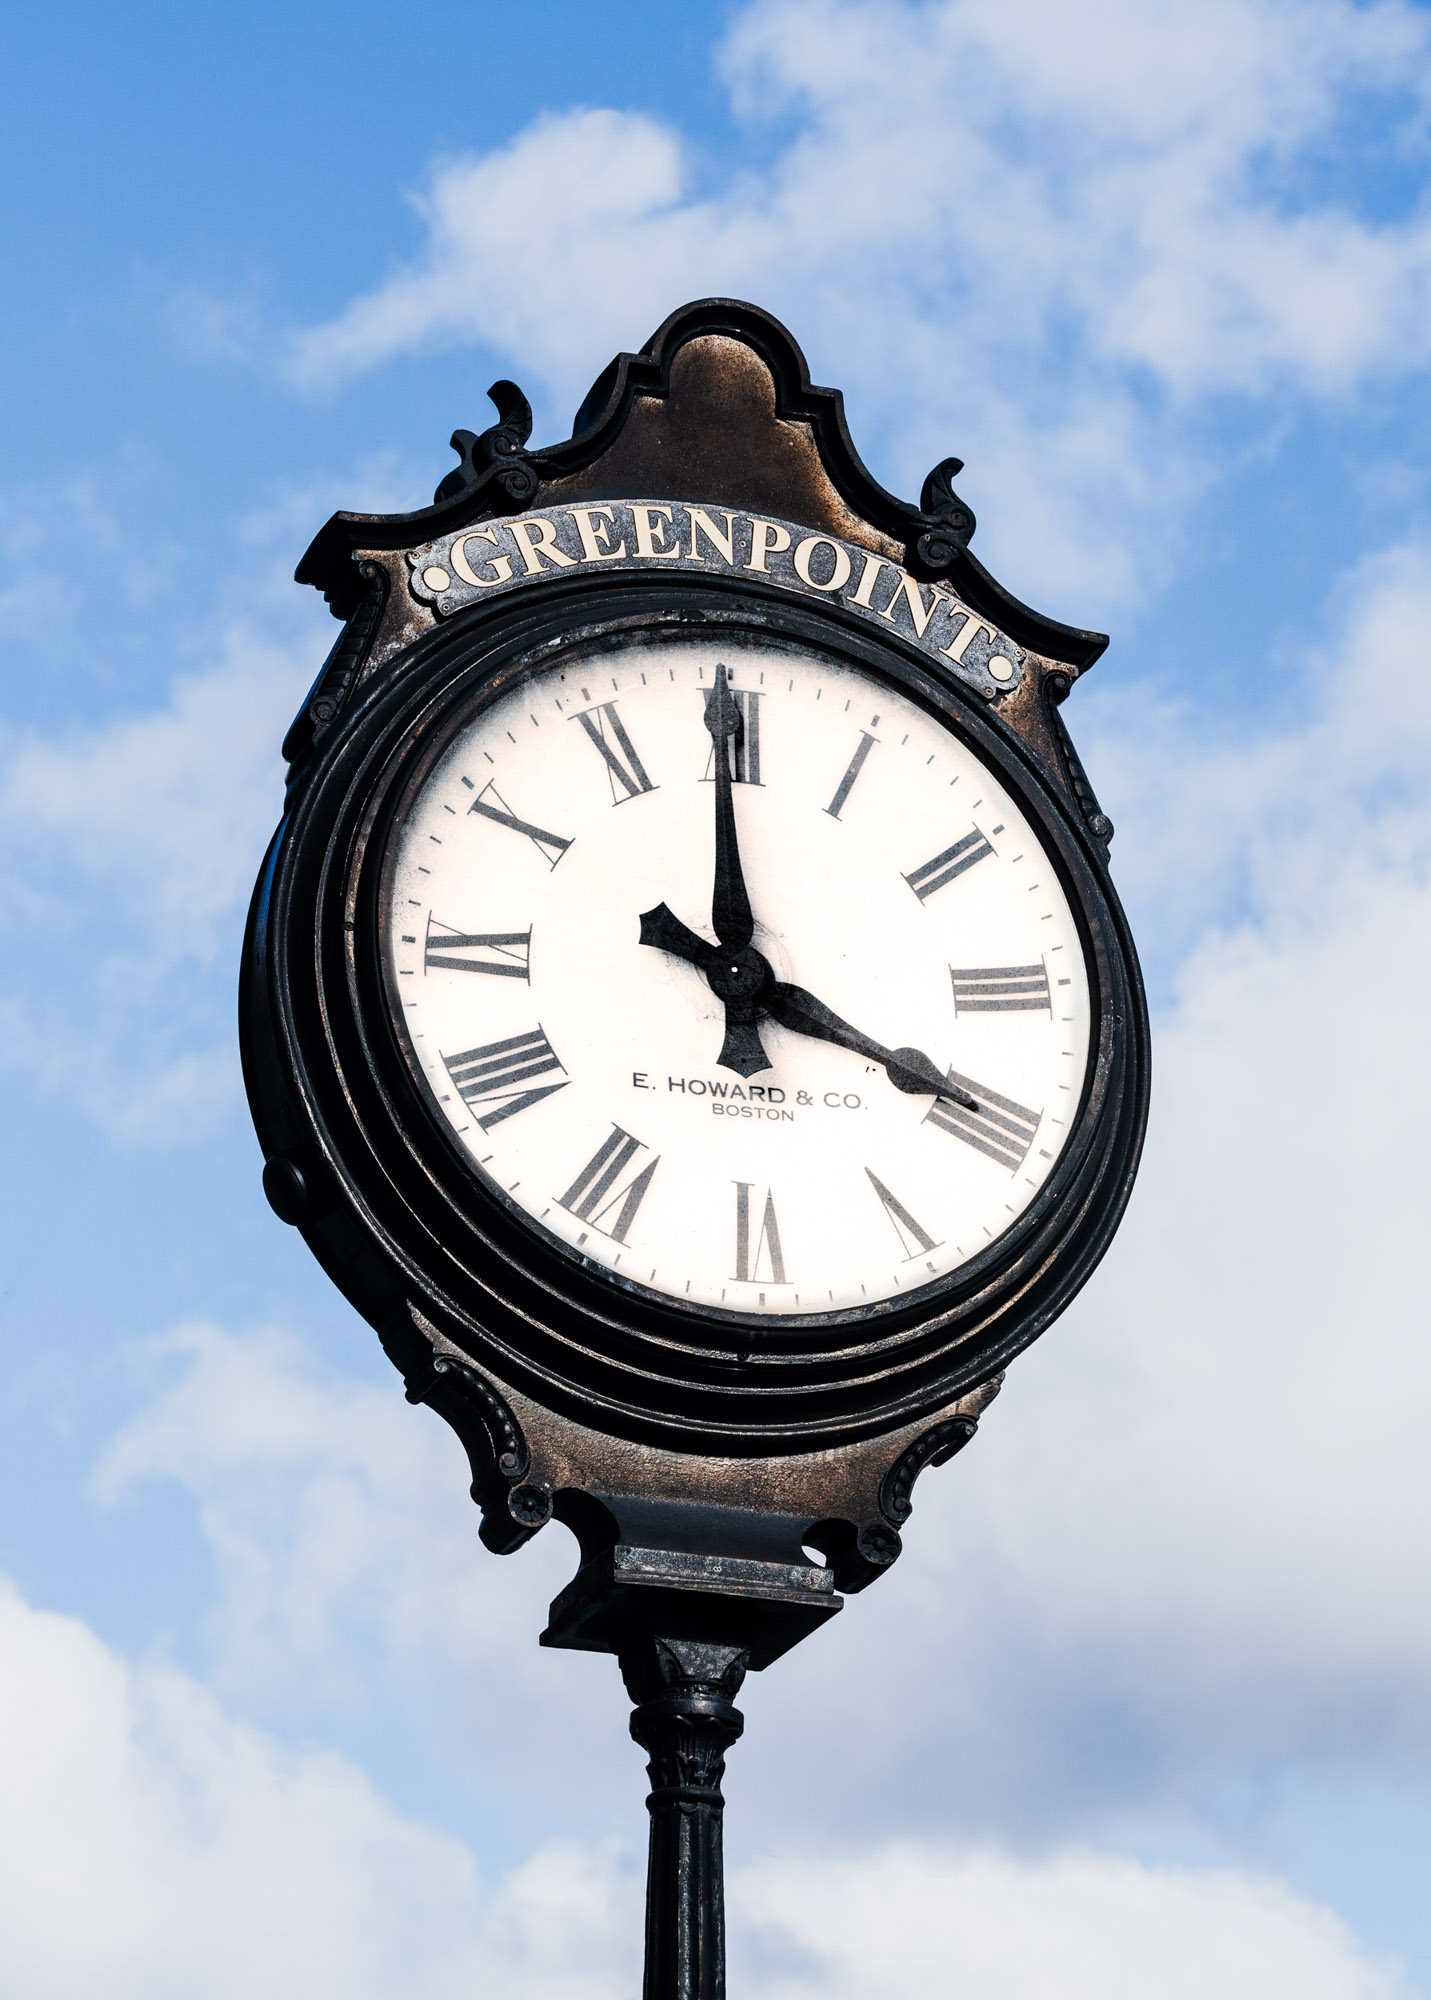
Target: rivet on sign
{"x":436,"y":578}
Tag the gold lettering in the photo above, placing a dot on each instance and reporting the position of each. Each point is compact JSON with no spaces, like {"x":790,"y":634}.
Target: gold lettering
{"x":840,"y":571}
{"x":458,"y":559}
{"x":959,"y":644}
{"x":545,"y":544}
{"x":767,"y":538}
{"x":723,"y":543}
{"x":593,"y":532}
{"x":869,"y":575}
{"x":645,"y":520}
{"x":913,"y":595}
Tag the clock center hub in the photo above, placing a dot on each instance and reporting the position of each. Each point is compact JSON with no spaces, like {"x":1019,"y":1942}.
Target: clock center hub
{"x":738,"y":975}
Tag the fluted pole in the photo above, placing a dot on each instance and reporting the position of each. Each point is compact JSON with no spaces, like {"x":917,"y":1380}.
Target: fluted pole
{"x":685,"y":1720}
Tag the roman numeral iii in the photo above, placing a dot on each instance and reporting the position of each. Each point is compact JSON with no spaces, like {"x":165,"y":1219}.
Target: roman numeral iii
{"x":763,"y":1243}
{"x":999,"y":1128}
{"x":595,"y":1192}
{"x":944,"y":867}
{"x":623,"y":767}
{"x":506,"y":954}
{"x":494,"y":1079}
{"x":1001,"y":989}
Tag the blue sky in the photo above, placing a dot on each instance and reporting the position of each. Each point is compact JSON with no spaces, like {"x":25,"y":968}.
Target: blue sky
{"x":1145,"y":1706}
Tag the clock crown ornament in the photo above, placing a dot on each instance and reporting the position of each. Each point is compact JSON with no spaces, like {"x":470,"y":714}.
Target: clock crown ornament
{"x":686,"y":1010}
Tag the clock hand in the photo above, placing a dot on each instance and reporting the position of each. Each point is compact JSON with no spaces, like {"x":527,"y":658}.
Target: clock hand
{"x":909,"y":1070}
{"x":731,"y":919}
{"x":662,"y":928}
{"x":747,"y":988}
{"x":737,"y":978}
{"x":735,"y":973}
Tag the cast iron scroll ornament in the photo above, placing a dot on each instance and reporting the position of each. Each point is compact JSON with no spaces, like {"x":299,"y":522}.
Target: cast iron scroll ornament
{"x":686,"y":1010}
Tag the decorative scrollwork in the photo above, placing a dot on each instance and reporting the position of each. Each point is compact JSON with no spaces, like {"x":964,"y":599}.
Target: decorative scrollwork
{"x":329,"y":694}
{"x":1099,"y":825}
{"x":952,"y":523}
{"x":499,"y":447}
{"x":513,"y":1508}
{"x":936,"y":1447}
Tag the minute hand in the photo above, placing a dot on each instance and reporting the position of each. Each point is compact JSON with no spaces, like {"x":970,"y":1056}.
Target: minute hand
{"x":731,"y":919}
{"x":909,"y":1070}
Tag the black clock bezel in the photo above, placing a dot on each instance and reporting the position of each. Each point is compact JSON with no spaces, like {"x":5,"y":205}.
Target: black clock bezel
{"x":410,"y":1222}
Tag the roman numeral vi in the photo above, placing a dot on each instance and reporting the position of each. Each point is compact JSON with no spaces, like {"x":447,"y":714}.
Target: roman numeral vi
{"x":764,"y":1242}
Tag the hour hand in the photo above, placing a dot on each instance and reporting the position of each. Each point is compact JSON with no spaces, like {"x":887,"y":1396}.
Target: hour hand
{"x":662,"y":928}
{"x":909,"y":1070}
{"x":738,"y":980}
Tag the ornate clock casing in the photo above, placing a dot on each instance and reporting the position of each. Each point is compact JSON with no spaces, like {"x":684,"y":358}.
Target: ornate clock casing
{"x":706,"y":547}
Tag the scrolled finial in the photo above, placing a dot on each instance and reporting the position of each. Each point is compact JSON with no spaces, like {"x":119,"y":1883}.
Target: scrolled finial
{"x":951,"y":522}
{"x":480,"y":451}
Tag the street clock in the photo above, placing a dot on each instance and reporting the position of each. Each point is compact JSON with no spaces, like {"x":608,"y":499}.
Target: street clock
{"x":685,"y":1006}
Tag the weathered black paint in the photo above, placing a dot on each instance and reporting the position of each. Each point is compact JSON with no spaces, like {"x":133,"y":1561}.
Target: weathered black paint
{"x":697,"y":1455}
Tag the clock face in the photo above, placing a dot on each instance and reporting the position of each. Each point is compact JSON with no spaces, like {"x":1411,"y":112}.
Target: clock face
{"x":892,"y":880}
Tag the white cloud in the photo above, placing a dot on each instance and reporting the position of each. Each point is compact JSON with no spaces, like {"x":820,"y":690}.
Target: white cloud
{"x":327,"y":1502}
{"x":152,"y":1846}
{"x":348,"y":1570}
{"x":1028,"y":233}
{"x":130,"y":848}
{"x":1078,"y":1926}
{"x":1135,"y":166}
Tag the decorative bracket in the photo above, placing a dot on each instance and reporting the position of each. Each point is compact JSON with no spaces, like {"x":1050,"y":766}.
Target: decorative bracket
{"x":494,"y":457}
{"x":935,"y":552}
{"x":1057,"y":685}
{"x":512,"y":1509}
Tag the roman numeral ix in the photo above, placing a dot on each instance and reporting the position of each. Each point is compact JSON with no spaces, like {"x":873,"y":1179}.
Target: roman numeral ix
{"x":493,"y":1080}
{"x":944,"y":867}
{"x":594,"y":1193}
{"x":1001,"y":989}
{"x":764,"y":1243}
{"x":623,"y":767}
{"x":550,"y":846}
{"x":506,"y":954}
{"x":999,"y":1128}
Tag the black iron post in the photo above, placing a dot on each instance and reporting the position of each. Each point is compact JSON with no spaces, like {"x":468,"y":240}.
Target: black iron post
{"x":685,"y":1719}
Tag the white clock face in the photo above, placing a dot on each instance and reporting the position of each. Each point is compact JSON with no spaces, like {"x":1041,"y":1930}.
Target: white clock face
{"x":889,"y":874}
